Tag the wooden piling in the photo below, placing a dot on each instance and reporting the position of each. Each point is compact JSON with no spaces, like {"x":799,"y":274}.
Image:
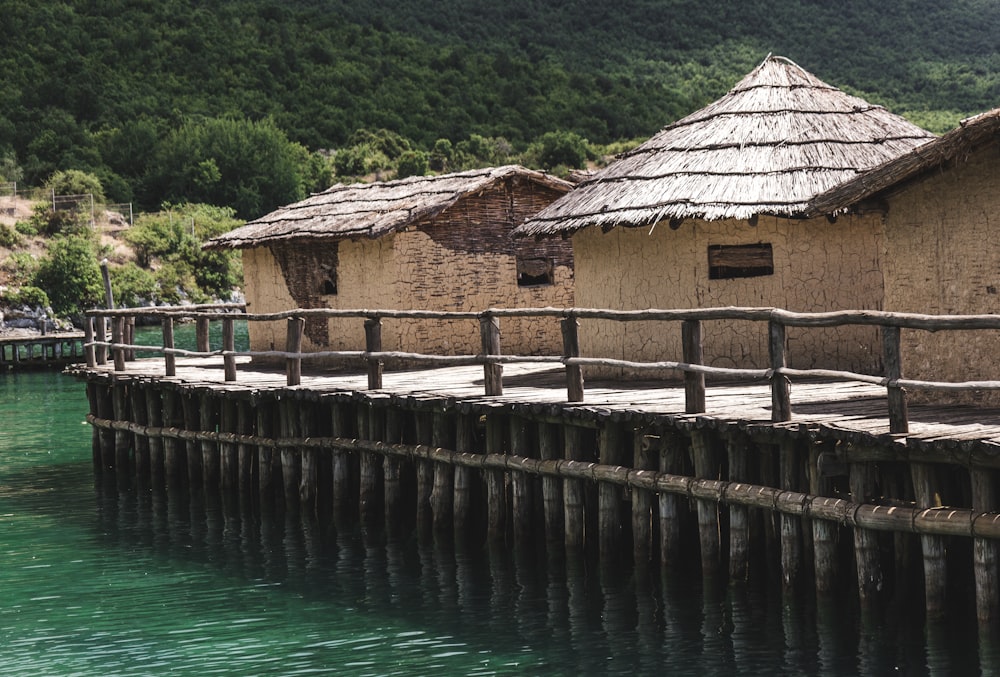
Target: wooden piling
{"x":673,"y":446}
{"x":173,"y":459}
{"x":986,"y":552}
{"x":737,"y":452}
{"x":926,"y":494}
{"x":496,"y":492}
{"x":154,"y":417}
{"x":443,"y":491}
{"x":367,"y":480}
{"x":424,"y":424}
{"x":391,"y":467}
{"x":465,"y":442}
{"x":140,"y":442}
{"x":342,"y":494}
{"x":208,"y":418}
{"x":644,"y":457}
{"x":291,"y":457}
{"x":123,"y":440}
{"x":610,"y":447}
{"x":265,"y":453}
{"x":106,"y":438}
{"x":791,"y":525}
{"x":520,"y":482}
{"x":825,"y":565}
{"x":706,"y":466}
{"x":866,"y":554}
{"x":552,"y":496}
{"x":573,"y":491}
{"x":247,"y":453}
{"x":228,"y":452}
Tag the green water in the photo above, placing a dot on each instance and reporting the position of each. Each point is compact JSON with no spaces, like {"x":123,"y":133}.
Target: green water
{"x":94,"y":581}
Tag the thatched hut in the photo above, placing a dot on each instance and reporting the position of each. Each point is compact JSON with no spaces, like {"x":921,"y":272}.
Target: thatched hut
{"x":431,"y":242}
{"x":939,"y":203}
{"x":711,"y":211}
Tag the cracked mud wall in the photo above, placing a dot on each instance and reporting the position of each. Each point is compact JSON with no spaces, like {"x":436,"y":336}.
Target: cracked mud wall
{"x":818,"y":266}
{"x":944,"y":258}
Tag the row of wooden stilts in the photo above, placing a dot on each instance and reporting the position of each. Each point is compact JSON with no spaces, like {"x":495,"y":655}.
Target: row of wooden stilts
{"x":238,"y":440}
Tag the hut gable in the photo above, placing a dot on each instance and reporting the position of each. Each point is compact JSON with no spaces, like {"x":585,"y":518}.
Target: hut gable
{"x":971,"y":134}
{"x":373,"y":210}
{"x":780,"y":137}
{"x":428,"y":243}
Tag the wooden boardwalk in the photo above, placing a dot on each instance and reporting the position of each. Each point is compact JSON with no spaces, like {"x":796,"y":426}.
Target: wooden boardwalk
{"x":843,"y":409}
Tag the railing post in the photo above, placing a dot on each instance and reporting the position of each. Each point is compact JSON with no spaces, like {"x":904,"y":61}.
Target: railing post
{"x":101,"y":336}
{"x":169,"y":359}
{"x":373,"y":344}
{"x":228,"y":346}
{"x":781,"y":402}
{"x":130,"y":337}
{"x":117,"y":338}
{"x":293,"y":365}
{"x":892,"y":358}
{"x":694,"y":382}
{"x":201,"y":335}
{"x":571,"y":348}
{"x":88,"y":342}
{"x":489,"y":328}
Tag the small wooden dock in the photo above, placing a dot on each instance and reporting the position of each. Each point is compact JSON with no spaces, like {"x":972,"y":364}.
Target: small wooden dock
{"x":40,"y":351}
{"x":824,"y":476}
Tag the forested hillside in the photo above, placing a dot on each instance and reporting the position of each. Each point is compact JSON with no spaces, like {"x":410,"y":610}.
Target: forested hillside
{"x":152,"y":96}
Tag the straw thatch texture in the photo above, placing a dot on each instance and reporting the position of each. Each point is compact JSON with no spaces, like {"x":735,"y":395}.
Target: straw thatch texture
{"x":777,"y":139}
{"x":372,"y":210}
{"x":957,"y":143}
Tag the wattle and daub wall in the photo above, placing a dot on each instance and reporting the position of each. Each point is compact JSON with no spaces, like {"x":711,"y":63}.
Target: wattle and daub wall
{"x":798,"y":265}
{"x":945,"y":259}
{"x":462,"y":259}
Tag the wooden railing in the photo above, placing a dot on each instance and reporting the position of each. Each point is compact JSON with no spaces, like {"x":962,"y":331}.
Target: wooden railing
{"x":492,"y":359}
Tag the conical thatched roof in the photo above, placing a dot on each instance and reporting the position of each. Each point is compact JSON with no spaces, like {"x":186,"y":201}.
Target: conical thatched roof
{"x":371,"y":210}
{"x":778,"y":138}
{"x":957,"y":143}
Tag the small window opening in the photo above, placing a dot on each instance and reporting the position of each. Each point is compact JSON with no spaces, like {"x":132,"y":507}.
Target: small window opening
{"x":726,"y":262}
{"x":328,"y":277}
{"x":533,"y":272}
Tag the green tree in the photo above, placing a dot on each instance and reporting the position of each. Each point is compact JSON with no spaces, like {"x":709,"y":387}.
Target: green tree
{"x":75,"y":182}
{"x":70,"y":275}
{"x":249,"y":166}
{"x":171,"y":241}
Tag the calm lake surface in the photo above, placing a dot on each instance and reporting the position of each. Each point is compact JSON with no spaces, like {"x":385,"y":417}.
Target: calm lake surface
{"x":99,"y":582}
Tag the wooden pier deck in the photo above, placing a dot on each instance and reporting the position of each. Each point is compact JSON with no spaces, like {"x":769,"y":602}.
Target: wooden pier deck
{"x":846,"y":410}
{"x":40,"y":351}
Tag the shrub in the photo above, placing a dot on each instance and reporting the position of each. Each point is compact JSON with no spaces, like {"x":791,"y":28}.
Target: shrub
{"x":9,"y":237}
{"x":131,"y":285}
{"x":70,"y":275}
{"x":33,"y":297}
{"x":411,"y":163}
{"x":20,"y":268}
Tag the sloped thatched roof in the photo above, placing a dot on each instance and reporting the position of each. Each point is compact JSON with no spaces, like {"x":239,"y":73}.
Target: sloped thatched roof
{"x":777,"y":139}
{"x":957,"y":143}
{"x":372,"y":210}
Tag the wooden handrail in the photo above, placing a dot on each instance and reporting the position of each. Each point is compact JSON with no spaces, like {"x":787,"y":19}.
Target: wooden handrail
{"x":492,"y":359}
